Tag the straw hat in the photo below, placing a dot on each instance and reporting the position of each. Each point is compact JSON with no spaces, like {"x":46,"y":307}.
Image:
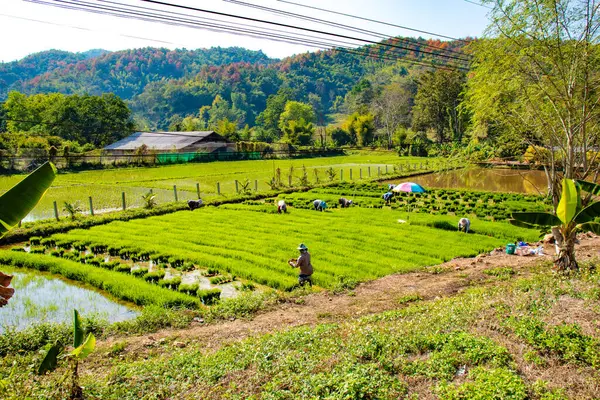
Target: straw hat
{"x":302,"y":247}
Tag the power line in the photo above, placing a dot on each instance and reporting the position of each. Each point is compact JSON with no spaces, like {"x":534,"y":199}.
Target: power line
{"x":479,"y":4}
{"x":289,"y":26}
{"x":311,"y":41}
{"x":344,"y":26}
{"x":373,"y":20}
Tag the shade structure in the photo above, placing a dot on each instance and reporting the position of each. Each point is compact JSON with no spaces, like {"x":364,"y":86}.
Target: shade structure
{"x":409,"y":187}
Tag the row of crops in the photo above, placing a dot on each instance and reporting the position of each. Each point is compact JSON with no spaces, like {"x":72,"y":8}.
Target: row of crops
{"x":242,"y":241}
{"x":496,"y":206}
{"x":153,"y":267}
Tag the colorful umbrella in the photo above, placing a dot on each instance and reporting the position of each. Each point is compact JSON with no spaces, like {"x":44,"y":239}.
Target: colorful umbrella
{"x":408,"y":187}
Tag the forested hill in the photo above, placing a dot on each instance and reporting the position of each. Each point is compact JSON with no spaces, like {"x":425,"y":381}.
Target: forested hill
{"x":124,"y":73}
{"x":11,"y":73}
{"x":162,"y":84}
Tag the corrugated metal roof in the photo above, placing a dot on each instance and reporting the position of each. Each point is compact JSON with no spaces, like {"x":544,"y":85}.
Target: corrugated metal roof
{"x":159,"y":140}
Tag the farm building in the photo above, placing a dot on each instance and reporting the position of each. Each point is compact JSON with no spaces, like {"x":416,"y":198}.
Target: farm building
{"x":171,"y":142}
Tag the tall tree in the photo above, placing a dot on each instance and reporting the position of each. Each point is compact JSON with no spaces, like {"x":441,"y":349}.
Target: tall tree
{"x":437,"y":104}
{"x":392,"y":108}
{"x":268,"y":120}
{"x":361,"y":127}
{"x":537,"y":73}
{"x":296,"y":111}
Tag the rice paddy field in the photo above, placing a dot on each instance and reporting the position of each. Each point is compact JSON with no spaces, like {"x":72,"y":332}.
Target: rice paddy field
{"x":106,"y":186}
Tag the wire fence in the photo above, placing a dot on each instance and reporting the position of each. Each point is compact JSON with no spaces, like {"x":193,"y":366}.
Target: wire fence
{"x":83,"y":162}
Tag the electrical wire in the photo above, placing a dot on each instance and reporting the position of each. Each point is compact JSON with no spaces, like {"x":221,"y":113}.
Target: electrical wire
{"x":344,"y":26}
{"x":196,"y":23}
{"x":374,"y":20}
{"x":288,"y":26}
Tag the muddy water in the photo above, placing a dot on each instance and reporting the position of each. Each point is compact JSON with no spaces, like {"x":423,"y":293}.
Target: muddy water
{"x":488,"y":179}
{"x":41,"y":297}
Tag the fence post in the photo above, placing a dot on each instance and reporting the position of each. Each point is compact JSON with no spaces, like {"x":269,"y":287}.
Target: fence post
{"x":218,"y":188}
{"x":378,"y":172}
{"x":123,"y":200}
{"x":360,"y":173}
{"x":350,"y":173}
{"x":386,"y":169}
{"x":290,"y":180}
{"x":55,"y":210}
{"x":342,"y":175}
{"x":91,"y":207}
{"x":198,"y":189}
{"x":369,"y":171}
{"x":256,"y":185}
{"x":236,"y":186}
{"x":175,"y":191}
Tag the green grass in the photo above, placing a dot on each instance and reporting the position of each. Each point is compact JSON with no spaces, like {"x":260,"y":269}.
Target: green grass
{"x":105,"y":186}
{"x":353,"y":244}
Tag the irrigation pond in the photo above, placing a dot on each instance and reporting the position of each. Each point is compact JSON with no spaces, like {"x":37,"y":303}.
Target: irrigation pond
{"x":487,"y":179}
{"x":42,"y":297}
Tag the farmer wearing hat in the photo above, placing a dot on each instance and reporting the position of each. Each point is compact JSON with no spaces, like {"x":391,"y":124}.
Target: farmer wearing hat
{"x":303,"y":262}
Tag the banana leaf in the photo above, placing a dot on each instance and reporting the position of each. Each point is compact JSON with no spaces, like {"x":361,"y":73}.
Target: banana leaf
{"x":590,"y":187}
{"x":51,"y":359}
{"x":537,"y":219}
{"x":521,"y":224}
{"x":589,"y":213}
{"x":569,"y":200}
{"x":77,"y":330}
{"x":22,"y":198}
{"x":86,"y":348}
{"x":591,"y":226}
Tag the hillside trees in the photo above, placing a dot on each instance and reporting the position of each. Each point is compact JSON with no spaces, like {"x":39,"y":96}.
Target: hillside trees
{"x":268,"y":120}
{"x":361,"y":127}
{"x":537,"y":74}
{"x":392,"y":108}
{"x":98,"y":120}
{"x":437,"y":104}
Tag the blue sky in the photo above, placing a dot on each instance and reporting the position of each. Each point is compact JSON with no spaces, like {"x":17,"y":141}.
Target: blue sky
{"x":28,"y":28}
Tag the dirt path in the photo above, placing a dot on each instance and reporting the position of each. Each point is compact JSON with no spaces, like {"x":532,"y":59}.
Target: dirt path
{"x":368,"y":298}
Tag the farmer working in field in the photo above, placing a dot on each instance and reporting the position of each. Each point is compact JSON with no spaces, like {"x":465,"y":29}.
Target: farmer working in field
{"x":319,"y":205}
{"x":345,"y":203}
{"x":464,"y":224}
{"x":281,"y":207}
{"x":303,"y":262}
{"x":388,"y":197}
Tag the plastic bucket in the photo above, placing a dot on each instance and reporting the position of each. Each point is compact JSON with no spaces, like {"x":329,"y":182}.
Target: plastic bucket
{"x":510,"y":248}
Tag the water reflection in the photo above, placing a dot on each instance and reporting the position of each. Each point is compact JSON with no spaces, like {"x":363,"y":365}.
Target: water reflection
{"x":489,"y":179}
{"x":42,"y":298}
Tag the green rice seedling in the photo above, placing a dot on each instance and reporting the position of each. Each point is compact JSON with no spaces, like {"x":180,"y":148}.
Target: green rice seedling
{"x":172,"y":283}
{"x":64,"y":244}
{"x":140,"y":272}
{"x":19,"y":249}
{"x":211,"y":272}
{"x":188,"y":288}
{"x":48,"y":242}
{"x":162,"y":265}
{"x":98,"y":248}
{"x":209,"y":296}
{"x":175,"y":262}
{"x":37,"y":250}
{"x":124,"y":287}
{"x":96,"y":261}
{"x":57,"y":253}
{"x":72,"y":208}
{"x":122,"y":267}
{"x":154,"y":276}
{"x":111,"y":264}
{"x":124,"y":254}
{"x":218,"y":280}
{"x":35,"y":241}
{"x":113,"y":251}
{"x":80,"y":246}
{"x":187,"y":267}
{"x":246,"y":287}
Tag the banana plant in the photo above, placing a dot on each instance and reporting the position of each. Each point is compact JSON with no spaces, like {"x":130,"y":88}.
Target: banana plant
{"x":15,"y":204}
{"x":81,"y":349}
{"x":570,"y":218}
